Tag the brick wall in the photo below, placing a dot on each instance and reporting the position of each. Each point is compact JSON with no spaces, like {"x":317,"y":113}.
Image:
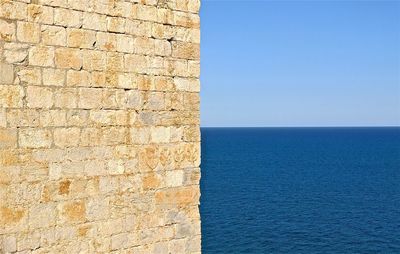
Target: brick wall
{"x":99,"y":126}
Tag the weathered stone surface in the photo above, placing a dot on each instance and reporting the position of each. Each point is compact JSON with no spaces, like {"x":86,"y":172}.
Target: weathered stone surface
{"x":28,"y":32}
{"x":7,"y":31}
{"x":34,"y":138}
{"x":39,"y":97}
{"x":99,"y":126}
{"x":54,"y":35}
{"x":68,"y":58}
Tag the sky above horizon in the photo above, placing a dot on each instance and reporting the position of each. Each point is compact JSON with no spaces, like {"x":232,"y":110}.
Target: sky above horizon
{"x":300,"y":63}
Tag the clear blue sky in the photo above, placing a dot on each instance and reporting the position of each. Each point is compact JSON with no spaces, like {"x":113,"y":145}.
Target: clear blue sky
{"x":300,"y":63}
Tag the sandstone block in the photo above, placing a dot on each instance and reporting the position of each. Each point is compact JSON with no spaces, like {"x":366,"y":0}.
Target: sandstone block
{"x":8,"y":138}
{"x":9,"y":244}
{"x":15,"y":53}
{"x":145,"y":12}
{"x":41,"y":56}
{"x":143,"y":46}
{"x":160,"y":134}
{"x":138,"y":28}
{"x":53,"y":77}
{"x":134,"y":99}
{"x":185,"y":84}
{"x":194,"y":69}
{"x":39,"y":97}
{"x":11,"y":96}
{"x":23,"y":118}
{"x":135,"y":63}
{"x":40,"y":14}
{"x":67,"y":17}
{"x":127,"y":80}
{"x":90,"y":98}
{"x":178,"y":196}
{"x":94,"y":21}
{"x":94,"y":60}
{"x":68,"y":58}
{"x":78,"y":78}
{"x":73,"y":211}
{"x":79,"y":38}
{"x":13,"y":10}
{"x":3,"y":118}
{"x":6,"y":73}
{"x":54,"y":35}
{"x":30,"y":76}
{"x":185,"y":50}
{"x":155,"y":101}
{"x":65,"y":98}
{"x":28,"y":32}
{"x":106,"y":41}
{"x":7,"y":31}
{"x":189,"y":20}
{"x":42,"y":216}
{"x":114,"y":61}
{"x":66,"y":137}
{"x":140,"y":135}
{"x":125,"y":43}
{"x":35,"y":138}
{"x":174,"y":178}
{"x":116,"y":24}
{"x":55,"y":3}
{"x":162,"y":48}
{"x":52,"y":118}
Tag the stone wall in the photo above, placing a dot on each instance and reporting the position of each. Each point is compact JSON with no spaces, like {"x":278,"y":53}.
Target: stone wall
{"x":99,"y":126}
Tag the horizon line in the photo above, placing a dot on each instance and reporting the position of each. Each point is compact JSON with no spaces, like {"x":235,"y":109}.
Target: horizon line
{"x":323,"y":126}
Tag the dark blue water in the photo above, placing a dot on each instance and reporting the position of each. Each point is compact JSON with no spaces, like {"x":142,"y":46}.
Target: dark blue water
{"x":300,"y":190}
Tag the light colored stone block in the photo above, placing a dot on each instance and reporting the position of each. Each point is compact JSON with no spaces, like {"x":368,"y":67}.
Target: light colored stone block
{"x":6,"y":74}
{"x":54,"y":35}
{"x":7,"y":31}
{"x":28,"y":32}
{"x":68,"y":58}
{"x":39,"y":97}
{"x":35,"y":138}
{"x":53,"y":77}
{"x":41,"y":56}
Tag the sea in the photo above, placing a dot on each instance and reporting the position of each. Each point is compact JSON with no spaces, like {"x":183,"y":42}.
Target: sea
{"x":300,"y":190}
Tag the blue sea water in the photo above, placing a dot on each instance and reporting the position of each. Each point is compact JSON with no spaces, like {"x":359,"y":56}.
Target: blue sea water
{"x":300,"y":190}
